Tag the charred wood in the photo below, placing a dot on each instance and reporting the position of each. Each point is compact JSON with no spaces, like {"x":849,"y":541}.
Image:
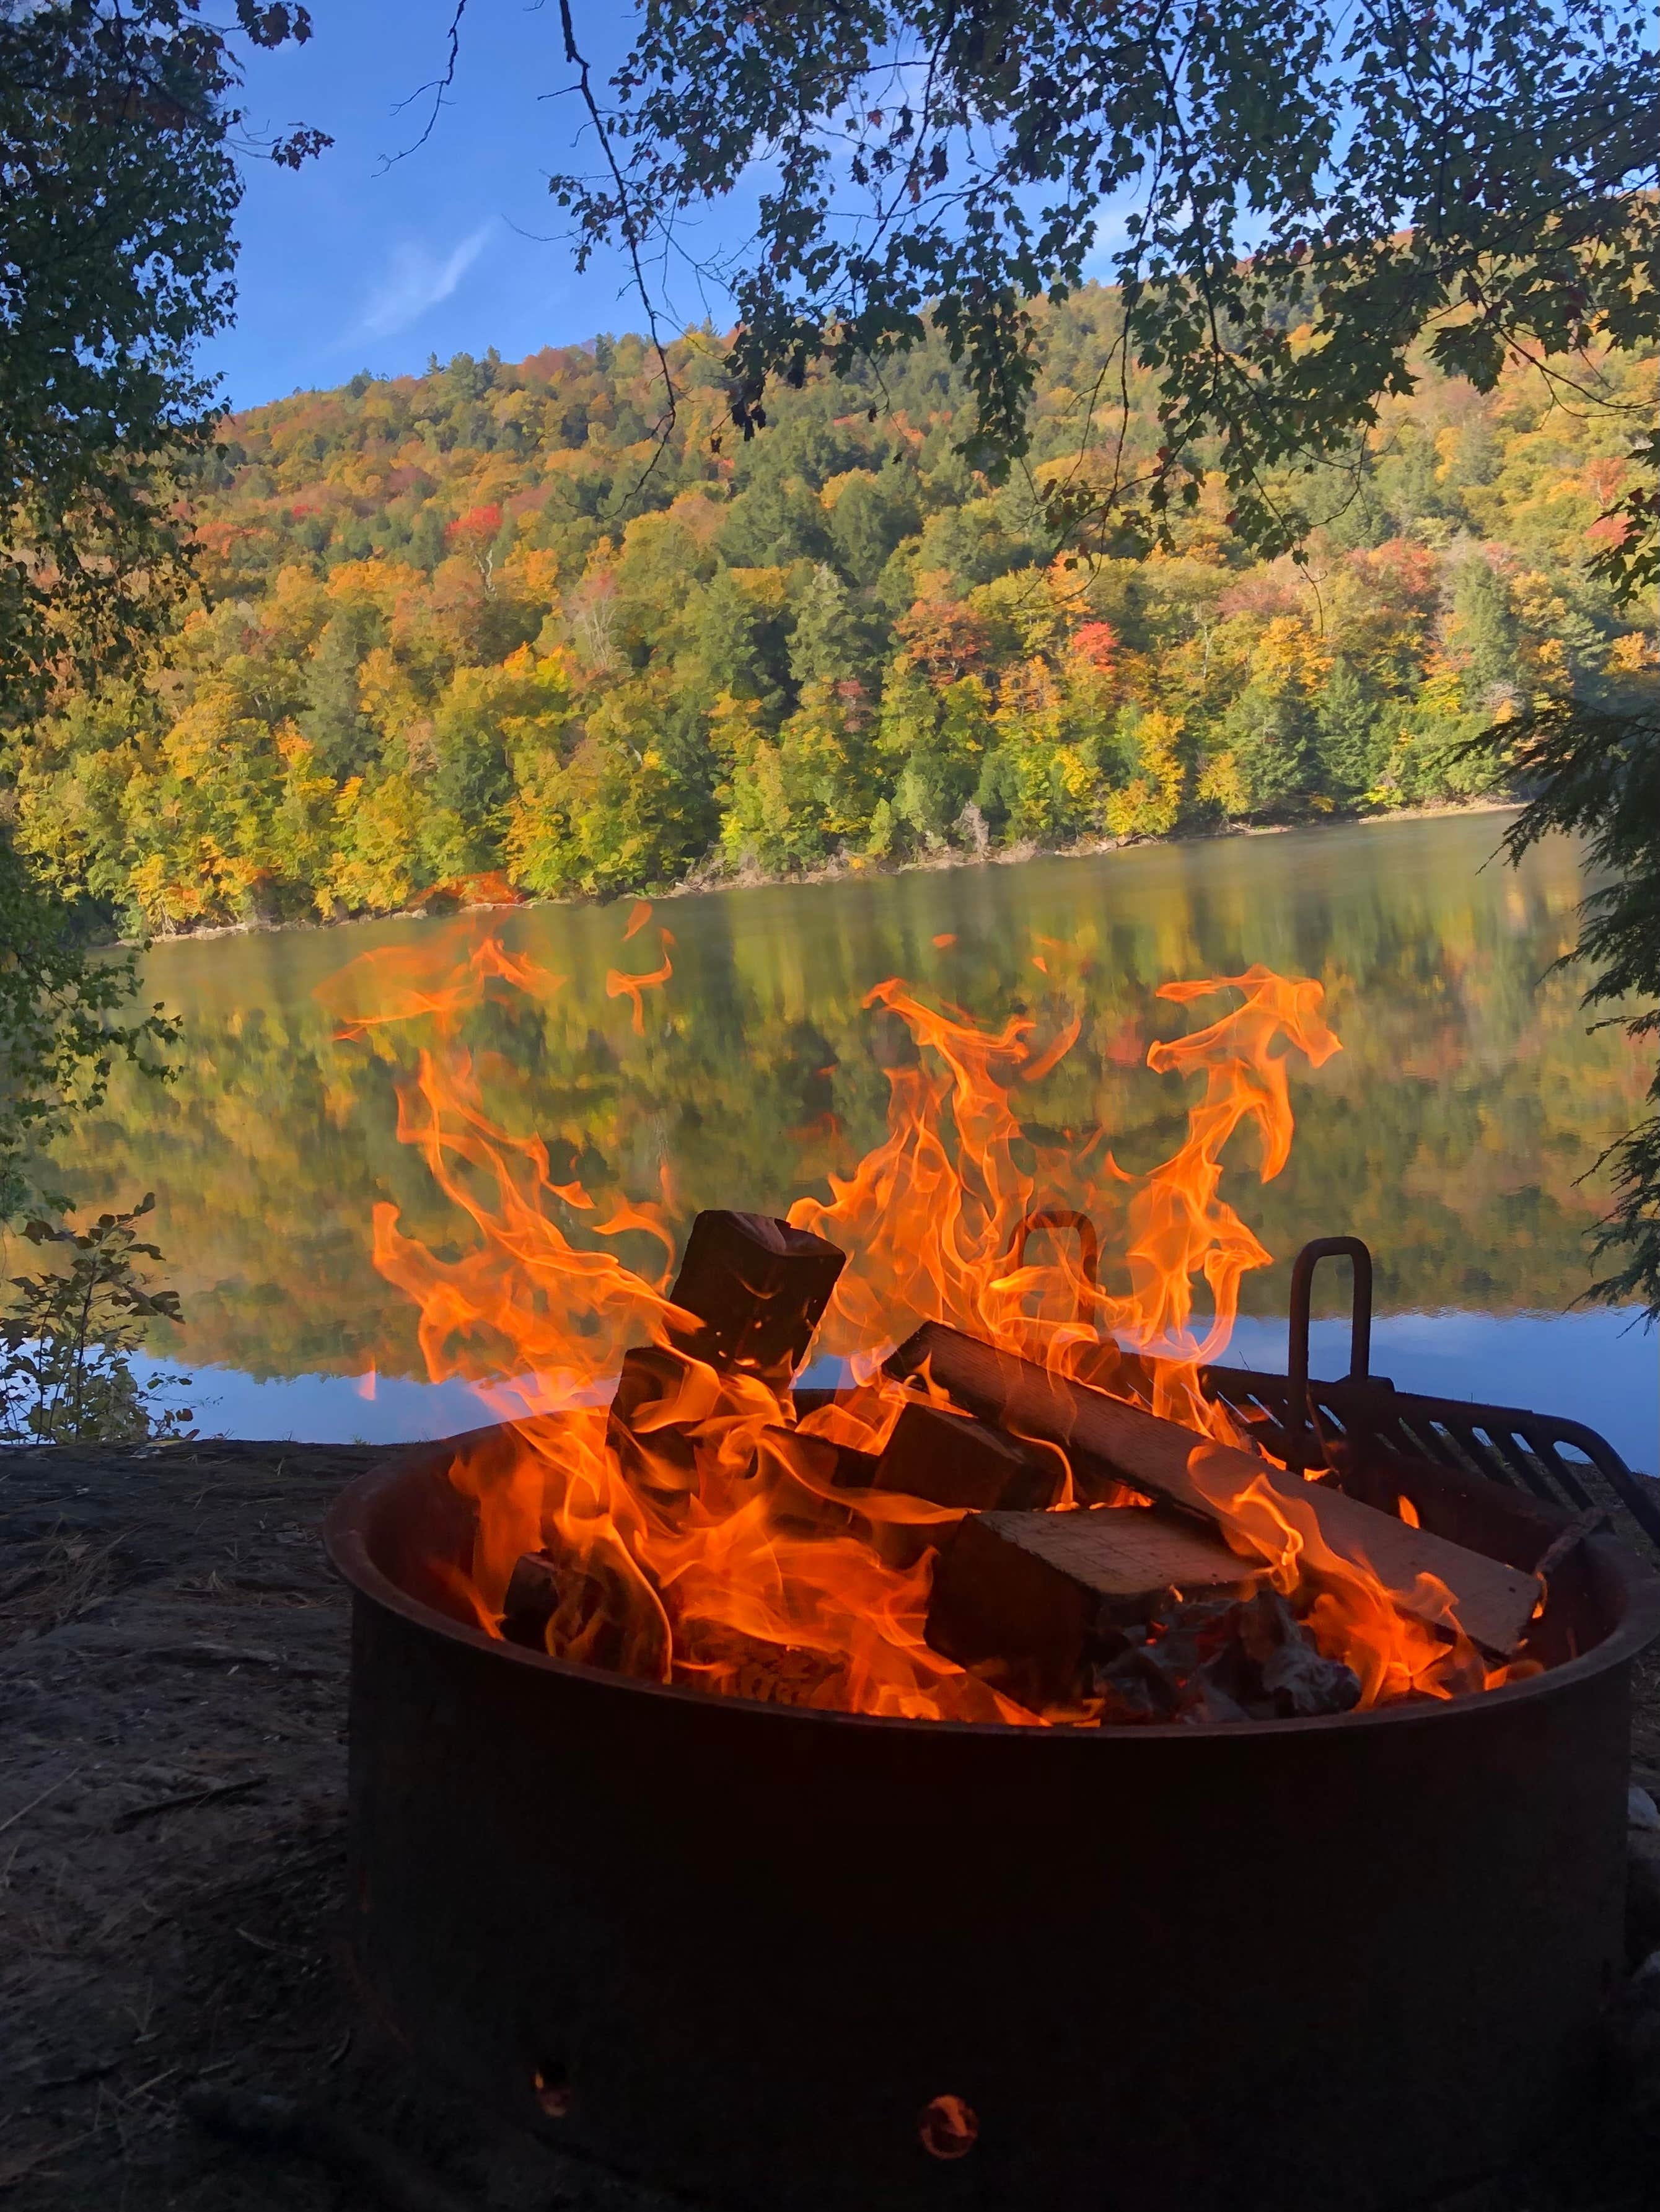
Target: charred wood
{"x":749,"y":1294}
{"x":649,"y":1428}
{"x":1250,"y":1660}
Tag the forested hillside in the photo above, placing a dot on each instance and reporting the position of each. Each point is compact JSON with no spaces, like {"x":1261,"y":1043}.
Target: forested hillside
{"x":475,"y":622}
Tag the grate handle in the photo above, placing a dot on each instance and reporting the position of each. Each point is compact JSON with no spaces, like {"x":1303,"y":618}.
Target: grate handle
{"x":1055,"y":1217}
{"x":1302,"y":1291}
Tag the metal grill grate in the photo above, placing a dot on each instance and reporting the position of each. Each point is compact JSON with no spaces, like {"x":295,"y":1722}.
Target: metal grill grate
{"x":1563,"y":1463}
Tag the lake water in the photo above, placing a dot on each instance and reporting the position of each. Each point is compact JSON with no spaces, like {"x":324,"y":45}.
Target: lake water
{"x":1452,"y":1132}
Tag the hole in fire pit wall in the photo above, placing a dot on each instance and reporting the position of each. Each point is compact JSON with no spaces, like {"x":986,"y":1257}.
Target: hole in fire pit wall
{"x":948,"y":2128}
{"x":552,"y":2086}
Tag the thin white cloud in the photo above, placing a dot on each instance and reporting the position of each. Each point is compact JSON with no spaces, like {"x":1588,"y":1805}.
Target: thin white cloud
{"x":416,"y":279}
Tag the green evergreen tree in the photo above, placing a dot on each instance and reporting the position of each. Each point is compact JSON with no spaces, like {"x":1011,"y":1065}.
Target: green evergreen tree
{"x":827,"y":644}
{"x":1272,"y":737}
{"x":334,"y":721}
{"x":427,"y":544}
{"x":775,"y":520}
{"x":744,"y":649}
{"x":1484,"y":632}
{"x":472,"y":785}
{"x":873,"y":515}
{"x":945,"y":736}
{"x":1349,"y":743}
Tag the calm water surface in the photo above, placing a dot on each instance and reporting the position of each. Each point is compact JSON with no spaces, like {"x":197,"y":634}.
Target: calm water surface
{"x":1452,"y":1132}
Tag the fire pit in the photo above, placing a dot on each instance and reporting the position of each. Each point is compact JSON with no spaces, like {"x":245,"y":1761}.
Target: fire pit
{"x":1002,"y":1780}
{"x":791,"y":1958}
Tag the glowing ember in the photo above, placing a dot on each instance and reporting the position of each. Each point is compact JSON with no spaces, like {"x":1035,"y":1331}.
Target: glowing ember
{"x":727,"y":1547}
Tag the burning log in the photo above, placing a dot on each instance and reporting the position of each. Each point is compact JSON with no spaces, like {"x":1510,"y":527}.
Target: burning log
{"x":947,"y":1460}
{"x":1031,"y":1601}
{"x":578,"y":1613}
{"x":1105,"y":1438}
{"x":652,"y":1416}
{"x":1099,"y":1607}
{"x":756,"y":1289}
{"x":953,"y":1460}
{"x":733,"y":1665}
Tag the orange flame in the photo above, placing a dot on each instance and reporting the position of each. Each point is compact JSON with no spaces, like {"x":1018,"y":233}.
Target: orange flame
{"x":931,"y":1218}
{"x":1355,"y":1616}
{"x":619,"y":985}
{"x":398,"y":983}
{"x":725,"y":1555}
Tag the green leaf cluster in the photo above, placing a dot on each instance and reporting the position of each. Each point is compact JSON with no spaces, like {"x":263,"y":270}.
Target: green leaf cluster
{"x":1296,"y":203}
{"x":1595,"y":772}
{"x":119,"y":134}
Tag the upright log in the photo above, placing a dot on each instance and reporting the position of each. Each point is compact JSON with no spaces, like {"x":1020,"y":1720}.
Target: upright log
{"x":756,"y":1289}
{"x":749,"y":1294}
{"x":1103,"y":1436}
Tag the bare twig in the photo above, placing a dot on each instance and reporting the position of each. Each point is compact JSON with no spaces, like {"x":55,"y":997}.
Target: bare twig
{"x":631,"y":234}
{"x":437,"y":87}
{"x":211,"y":1795}
{"x":12,"y":1818}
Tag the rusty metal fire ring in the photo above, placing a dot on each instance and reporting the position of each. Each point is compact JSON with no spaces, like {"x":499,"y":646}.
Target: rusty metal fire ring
{"x":802,"y":1961}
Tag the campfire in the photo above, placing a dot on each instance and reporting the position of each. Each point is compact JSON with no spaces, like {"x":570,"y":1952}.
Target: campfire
{"x":657,"y":1844}
{"x":1015,"y":1504}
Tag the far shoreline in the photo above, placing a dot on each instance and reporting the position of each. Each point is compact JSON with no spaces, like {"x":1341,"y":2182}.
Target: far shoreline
{"x":841,"y":870}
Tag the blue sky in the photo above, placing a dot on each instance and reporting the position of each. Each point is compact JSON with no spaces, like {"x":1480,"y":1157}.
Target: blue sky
{"x":353,"y":264}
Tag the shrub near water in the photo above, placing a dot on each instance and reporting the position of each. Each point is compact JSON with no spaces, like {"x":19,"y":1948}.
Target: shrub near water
{"x":70,"y":1335}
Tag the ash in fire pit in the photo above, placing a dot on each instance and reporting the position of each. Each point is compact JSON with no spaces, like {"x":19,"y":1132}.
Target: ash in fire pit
{"x":1254,"y":1661}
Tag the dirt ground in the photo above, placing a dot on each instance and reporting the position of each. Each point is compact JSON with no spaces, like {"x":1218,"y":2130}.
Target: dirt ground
{"x":172,"y":1664}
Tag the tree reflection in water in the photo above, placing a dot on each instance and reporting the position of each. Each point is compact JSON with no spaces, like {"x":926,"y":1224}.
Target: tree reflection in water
{"x":1449,"y":1132}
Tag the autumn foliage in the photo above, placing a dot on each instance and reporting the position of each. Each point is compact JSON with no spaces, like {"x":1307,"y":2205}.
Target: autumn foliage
{"x":474,"y":626}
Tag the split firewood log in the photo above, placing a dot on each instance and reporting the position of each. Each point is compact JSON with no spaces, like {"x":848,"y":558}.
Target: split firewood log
{"x":1106,"y":1439}
{"x":1031,"y":1601}
{"x":749,"y":1294}
{"x":757,"y":1290}
{"x":571,"y":1610}
{"x":950,"y":1460}
{"x":734,"y":1665}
